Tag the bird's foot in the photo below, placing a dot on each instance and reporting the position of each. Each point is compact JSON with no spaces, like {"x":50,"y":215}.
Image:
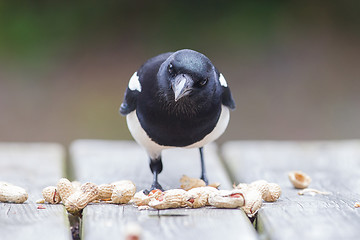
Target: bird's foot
{"x":154,"y":186}
{"x":205,"y":179}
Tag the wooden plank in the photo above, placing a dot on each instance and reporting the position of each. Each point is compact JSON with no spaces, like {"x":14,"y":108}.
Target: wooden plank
{"x":33,"y":167}
{"x":334,"y":166}
{"x":205,"y":223}
{"x":108,"y":161}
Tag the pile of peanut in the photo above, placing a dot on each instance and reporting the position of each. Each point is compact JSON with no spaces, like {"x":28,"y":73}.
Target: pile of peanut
{"x":76,"y":196}
{"x":193,"y":194}
{"x":249,"y":197}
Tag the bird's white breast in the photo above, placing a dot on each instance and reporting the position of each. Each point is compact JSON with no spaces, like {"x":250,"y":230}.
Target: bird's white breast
{"x":141,"y":136}
{"x":219,"y":129}
{"x":154,"y":149}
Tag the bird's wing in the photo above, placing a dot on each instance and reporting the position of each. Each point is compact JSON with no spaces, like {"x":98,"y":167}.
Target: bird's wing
{"x":226,"y":97}
{"x":131,"y":95}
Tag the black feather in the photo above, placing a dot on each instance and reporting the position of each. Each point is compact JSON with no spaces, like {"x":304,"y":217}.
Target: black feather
{"x":147,"y":70}
{"x":168,"y":122}
{"x":227,"y":99}
{"x":129,"y":103}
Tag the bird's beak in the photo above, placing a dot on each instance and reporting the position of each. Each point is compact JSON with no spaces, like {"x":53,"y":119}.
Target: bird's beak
{"x":182,"y":86}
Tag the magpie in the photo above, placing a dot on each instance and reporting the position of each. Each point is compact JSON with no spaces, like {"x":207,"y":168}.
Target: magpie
{"x":176,"y":99}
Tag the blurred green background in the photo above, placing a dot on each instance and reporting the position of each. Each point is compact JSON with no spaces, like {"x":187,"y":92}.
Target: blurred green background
{"x":293,"y":66}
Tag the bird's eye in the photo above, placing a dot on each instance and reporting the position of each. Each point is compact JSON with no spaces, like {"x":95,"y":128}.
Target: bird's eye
{"x":171,"y":68}
{"x":203,"y":82}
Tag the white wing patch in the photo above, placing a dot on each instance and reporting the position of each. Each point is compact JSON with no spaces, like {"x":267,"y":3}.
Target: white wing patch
{"x":134,"y":83}
{"x":222,"y":81}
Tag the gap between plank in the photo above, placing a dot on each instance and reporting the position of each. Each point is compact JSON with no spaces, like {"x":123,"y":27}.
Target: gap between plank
{"x":74,"y":221}
{"x":223,"y":163}
{"x":219,"y":152}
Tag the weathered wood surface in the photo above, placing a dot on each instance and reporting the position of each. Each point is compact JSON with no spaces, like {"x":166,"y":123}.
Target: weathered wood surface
{"x":33,"y":167}
{"x":108,"y":161}
{"x":333,"y":166}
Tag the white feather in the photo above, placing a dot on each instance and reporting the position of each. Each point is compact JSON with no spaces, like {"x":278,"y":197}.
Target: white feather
{"x":141,"y":137}
{"x":154,"y":149}
{"x":219,"y":129}
{"x":222,"y":81}
{"x":134,"y":83}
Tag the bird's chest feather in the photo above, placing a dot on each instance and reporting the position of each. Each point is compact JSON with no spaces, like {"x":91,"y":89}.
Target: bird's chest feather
{"x":177,"y":125}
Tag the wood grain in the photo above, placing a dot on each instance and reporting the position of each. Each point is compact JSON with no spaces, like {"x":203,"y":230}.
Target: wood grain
{"x":333,"y":167}
{"x":205,"y":223}
{"x":32,"y":166}
{"x":107,"y":161}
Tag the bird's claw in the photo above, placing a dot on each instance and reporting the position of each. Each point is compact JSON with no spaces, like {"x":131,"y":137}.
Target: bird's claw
{"x":154,"y":186}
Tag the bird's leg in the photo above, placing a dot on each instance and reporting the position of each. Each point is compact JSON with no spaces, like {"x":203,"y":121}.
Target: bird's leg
{"x":156,"y":168}
{"x":203,"y":170}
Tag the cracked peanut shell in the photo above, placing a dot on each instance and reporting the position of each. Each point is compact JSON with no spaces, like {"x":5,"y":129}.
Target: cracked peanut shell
{"x":141,"y":199}
{"x":198,"y":197}
{"x":227,"y":199}
{"x":188,"y":183}
{"x":299,"y":179}
{"x":174,"y":198}
{"x":253,"y":201}
{"x":51,"y":195}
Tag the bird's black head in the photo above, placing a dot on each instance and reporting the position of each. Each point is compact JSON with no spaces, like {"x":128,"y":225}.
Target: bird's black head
{"x":188,"y":79}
